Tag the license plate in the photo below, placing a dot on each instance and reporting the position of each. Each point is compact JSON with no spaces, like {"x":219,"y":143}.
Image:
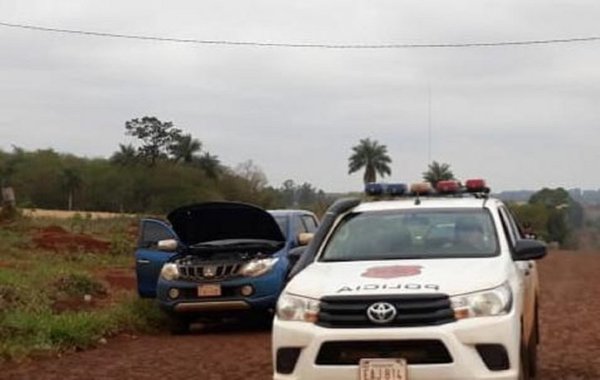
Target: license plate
{"x":383,"y":369}
{"x":211,"y":290}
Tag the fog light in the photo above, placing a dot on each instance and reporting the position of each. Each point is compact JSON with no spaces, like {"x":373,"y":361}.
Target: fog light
{"x":247,"y":290}
{"x":173,"y":293}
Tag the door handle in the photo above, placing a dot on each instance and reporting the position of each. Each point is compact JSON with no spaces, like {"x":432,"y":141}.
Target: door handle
{"x":143,"y":261}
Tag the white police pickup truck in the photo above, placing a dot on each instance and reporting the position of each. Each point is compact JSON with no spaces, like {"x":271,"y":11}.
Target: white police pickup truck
{"x":417,"y":285}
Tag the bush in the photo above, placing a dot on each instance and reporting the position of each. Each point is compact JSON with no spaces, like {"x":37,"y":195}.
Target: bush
{"x":23,"y":333}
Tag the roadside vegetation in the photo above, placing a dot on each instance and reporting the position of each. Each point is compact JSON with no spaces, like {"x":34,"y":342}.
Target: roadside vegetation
{"x":164,"y":169}
{"x":67,"y":285}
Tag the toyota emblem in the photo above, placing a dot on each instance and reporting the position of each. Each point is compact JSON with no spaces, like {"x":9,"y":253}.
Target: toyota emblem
{"x":381,"y":312}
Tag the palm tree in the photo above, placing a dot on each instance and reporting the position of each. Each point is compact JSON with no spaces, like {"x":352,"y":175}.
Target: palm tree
{"x":437,"y":172}
{"x":71,"y":181}
{"x":210,"y":164}
{"x":184,"y":148}
{"x":126,"y":155}
{"x":373,"y":157}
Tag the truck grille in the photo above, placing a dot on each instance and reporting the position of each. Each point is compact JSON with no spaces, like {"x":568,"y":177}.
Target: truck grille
{"x":207,"y":272}
{"x":414,"y":351}
{"x":413,"y":310}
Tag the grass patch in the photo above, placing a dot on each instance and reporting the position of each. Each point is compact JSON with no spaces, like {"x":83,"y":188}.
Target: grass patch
{"x":33,"y":281}
{"x":23,"y":333}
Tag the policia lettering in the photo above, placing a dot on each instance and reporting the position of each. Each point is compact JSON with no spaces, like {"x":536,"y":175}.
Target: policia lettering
{"x":367,"y":287}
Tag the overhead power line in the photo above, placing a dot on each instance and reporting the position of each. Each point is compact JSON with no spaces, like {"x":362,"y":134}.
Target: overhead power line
{"x":304,"y":45}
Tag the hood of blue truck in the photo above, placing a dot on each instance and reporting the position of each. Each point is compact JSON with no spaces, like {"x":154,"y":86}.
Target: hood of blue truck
{"x":203,"y":222}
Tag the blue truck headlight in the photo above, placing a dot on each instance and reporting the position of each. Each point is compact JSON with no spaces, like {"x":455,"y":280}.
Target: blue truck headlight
{"x":258,"y":267}
{"x":169,"y":272}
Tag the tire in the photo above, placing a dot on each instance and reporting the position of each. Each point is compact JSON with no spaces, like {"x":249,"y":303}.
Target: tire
{"x":178,"y":325}
{"x":524,"y":363}
{"x":532,"y":352}
{"x":528,"y":359}
{"x":262,"y":319}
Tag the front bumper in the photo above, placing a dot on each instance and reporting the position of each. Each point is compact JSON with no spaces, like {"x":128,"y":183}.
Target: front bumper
{"x":460,"y":339}
{"x":266,"y":291}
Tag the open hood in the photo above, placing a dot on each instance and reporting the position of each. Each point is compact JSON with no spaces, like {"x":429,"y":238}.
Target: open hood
{"x":204,"y":222}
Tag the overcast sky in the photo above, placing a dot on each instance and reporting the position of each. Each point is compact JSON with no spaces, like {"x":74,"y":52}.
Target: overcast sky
{"x":522,"y":117}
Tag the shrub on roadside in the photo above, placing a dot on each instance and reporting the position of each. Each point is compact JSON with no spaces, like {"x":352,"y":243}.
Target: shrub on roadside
{"x":23,"y":333}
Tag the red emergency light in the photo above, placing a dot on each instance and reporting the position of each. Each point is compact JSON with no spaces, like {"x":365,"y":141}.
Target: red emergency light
{"x":448,"y":187}
{"x":476,"y":186}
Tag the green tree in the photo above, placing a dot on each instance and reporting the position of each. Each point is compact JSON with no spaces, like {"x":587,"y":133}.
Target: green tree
{"x":125,"y":156}
{"x":564,"y":215}
{"x":210,"y":164}
{"x":371,"y":156}
{"x":184,"y":148}
{"x":156,"y":137}
{"x":288,"y":191}
{"x":536,"y":215}
{"x":71,"y":182}
{"x":8,"y":165}
{"x":437,"y":172}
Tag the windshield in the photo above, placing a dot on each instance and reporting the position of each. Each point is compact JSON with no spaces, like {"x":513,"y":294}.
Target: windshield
{"x":282,"y":221}
{"x":414,"y":234}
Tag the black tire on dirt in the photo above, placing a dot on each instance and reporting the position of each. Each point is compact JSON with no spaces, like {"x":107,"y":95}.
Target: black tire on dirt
{"x":528,"y":357}
{"x":524,"y":364}
{"x":178,"y":325}
{"x":532,"y":351}
{"x":261,"y":319}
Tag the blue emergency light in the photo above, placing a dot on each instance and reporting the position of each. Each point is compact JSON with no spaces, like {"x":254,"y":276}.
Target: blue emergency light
{"x":391,"y":189}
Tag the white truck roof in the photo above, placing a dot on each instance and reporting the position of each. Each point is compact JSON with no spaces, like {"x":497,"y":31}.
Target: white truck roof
{"x":426,"y":202}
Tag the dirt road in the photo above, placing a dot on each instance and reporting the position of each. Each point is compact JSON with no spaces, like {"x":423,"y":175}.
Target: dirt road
{"x":570,"y":328}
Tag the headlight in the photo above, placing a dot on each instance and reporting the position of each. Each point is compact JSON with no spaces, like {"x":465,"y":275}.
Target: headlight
{"x":295,"y":308}
{"x":491,"y":302}
{"x":258,"y":267}
{"x":169,"y":272}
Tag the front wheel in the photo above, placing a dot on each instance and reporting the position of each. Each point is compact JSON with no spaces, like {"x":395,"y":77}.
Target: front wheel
{"x":528,"y":360}
{"x":523,"y":363}
{"x":532,"y":351}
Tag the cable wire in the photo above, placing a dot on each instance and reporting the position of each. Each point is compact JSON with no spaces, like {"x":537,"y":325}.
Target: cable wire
{"x":304,"y":45}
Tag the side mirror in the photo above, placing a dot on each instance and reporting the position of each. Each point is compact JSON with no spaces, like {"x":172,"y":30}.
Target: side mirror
{"x":305,"y":238}
{"x":168,"y":245}
{"x":528,"y":249}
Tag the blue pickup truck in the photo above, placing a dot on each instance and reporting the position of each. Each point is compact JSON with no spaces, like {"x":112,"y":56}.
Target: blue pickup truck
{"x":219,"y":259}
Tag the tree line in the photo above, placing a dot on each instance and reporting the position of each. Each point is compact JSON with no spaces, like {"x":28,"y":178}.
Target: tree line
{"x":168,"y":168}
{"x":165,"y":169}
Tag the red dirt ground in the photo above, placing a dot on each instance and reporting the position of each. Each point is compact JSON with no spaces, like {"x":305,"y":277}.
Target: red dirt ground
{"x":570,"y":340}
{"x":120,"y":279}
{"x":58,"y":239}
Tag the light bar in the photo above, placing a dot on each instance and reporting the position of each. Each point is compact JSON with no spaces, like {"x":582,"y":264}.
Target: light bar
{"x":448,"y":187}
{"x":421,"y":188}
{"x":393,"y":189}
{"x":476,"y":186}
{"x":396,"y":189}
{"x":374,"y":188}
